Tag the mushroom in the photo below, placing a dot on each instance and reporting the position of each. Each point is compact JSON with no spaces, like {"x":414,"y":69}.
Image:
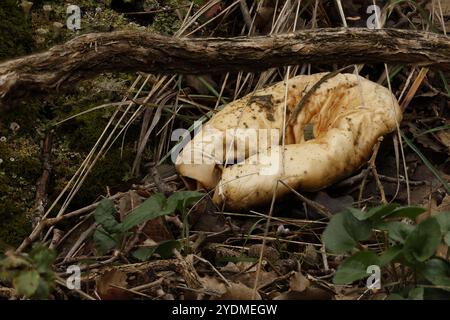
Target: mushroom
{"x":239,"y":152}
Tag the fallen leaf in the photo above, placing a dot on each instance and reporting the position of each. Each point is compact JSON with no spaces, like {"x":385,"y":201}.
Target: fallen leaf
{"x":311,"y":293}
{"x":298,"y":282}
{"x":107,"y":283}
{"x":239,"y":291}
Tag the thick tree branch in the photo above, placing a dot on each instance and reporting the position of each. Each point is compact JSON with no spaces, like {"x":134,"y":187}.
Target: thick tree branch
{"x":130,"y":51}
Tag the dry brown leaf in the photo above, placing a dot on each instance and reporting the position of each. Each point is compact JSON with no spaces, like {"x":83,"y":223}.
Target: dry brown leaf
{"x":269,"y":253}
{"x":439,"y":5}
{"x":213,"y":285}
{"x":298,"y":282}
{"x":311,"y":293}
{"x":239,"y":291}
{"x":248,"y":278}
{"x":444,"y":138}
{"x":107,"y":285}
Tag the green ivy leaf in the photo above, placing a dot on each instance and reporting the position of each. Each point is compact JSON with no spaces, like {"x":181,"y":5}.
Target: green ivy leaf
{"x":407,"y":212}
{"x":144,"y":253}
{"x":181,"y":199}
{"x":390,"y":255}
{"x":26,"y":283}
{"x":437,"y":271}
{"x":104,"y":215}
{"x":150,"y":209}
{"x":423,"y":241}
{"x":104,"y":242}
{"x":44,"y":288}
{"x":355,"y":267}
{"x":374,"y":213}
{"x":344,"y":231}
{"x":395,"y":296}
{"x":416,"y":293}
{"x":164,"y":249}
{"x":397,"y":231}
{"x":443,"y":219}
{"x":43,"y":258}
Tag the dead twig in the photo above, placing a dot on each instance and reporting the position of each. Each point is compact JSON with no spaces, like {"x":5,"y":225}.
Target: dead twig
{"x":41,"y":186}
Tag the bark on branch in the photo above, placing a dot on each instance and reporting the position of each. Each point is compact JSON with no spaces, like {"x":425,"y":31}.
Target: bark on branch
{"x":130,"y":51}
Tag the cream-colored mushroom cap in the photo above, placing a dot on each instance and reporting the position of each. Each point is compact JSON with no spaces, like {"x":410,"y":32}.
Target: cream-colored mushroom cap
{"x":348,"y":113}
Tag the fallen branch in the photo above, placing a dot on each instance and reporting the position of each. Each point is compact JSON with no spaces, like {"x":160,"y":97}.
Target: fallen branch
{"x":129,"y":51}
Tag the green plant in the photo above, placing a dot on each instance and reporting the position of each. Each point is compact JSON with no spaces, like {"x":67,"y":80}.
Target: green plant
{"x":412,"y":246}
{"x":31,"y":275}
{"x":111,"y":233}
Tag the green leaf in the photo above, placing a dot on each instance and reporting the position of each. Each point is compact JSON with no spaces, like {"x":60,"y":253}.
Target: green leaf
{"x":104,"y":215}
{"x":416,"y":294}
{"x":437,"y":271}
{"x":395,"y":296}
{"x":150,"y":209}
{"x":423,"y":241}
{"x":443,"y":219}
{"x":104,"y":242}
{"x":335,"y":237}
{"x":164,"y":249}
{"x":27,"y":282}
{"x":397,"y":231}
{"x":374,"y":213}
{"x":344,"y":231}
{"x":407,"y":212}
{"x":447,"y":238}
{"x":181,"y":199}
{"x":144,"y":253}
{"x":390,"y":255}
{"x":44,"y":288}
{"x":43,"y":258}
{"x":355,"y":267}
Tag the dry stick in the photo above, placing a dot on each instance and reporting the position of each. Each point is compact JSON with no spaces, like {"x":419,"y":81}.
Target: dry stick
{"x":130,"y":51}
{"x":84,"y":235}
{"x":148,"y":285}
{"x":188,"y":272}
{"x":373,"y":168}
{"x":62,"y":282}
{"x":56,"y":238}
{"x":278,"y":279}
{"x":246,"y":14}
{"x":414,"y":87}
{"x":214,"y":269}
{"x":41,"y":186}
{"x":351,"y":181}
{"x":320,"y":208}
{"x":52,"y":221}
{"x":266,"y":231}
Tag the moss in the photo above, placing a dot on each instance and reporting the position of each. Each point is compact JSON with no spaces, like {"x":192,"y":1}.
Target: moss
{"x":73,"y":139}
{"x":19,"y":170}
{"x":166,"y":23}
{"x":95,"y":17}
{"x":15,"y":30}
